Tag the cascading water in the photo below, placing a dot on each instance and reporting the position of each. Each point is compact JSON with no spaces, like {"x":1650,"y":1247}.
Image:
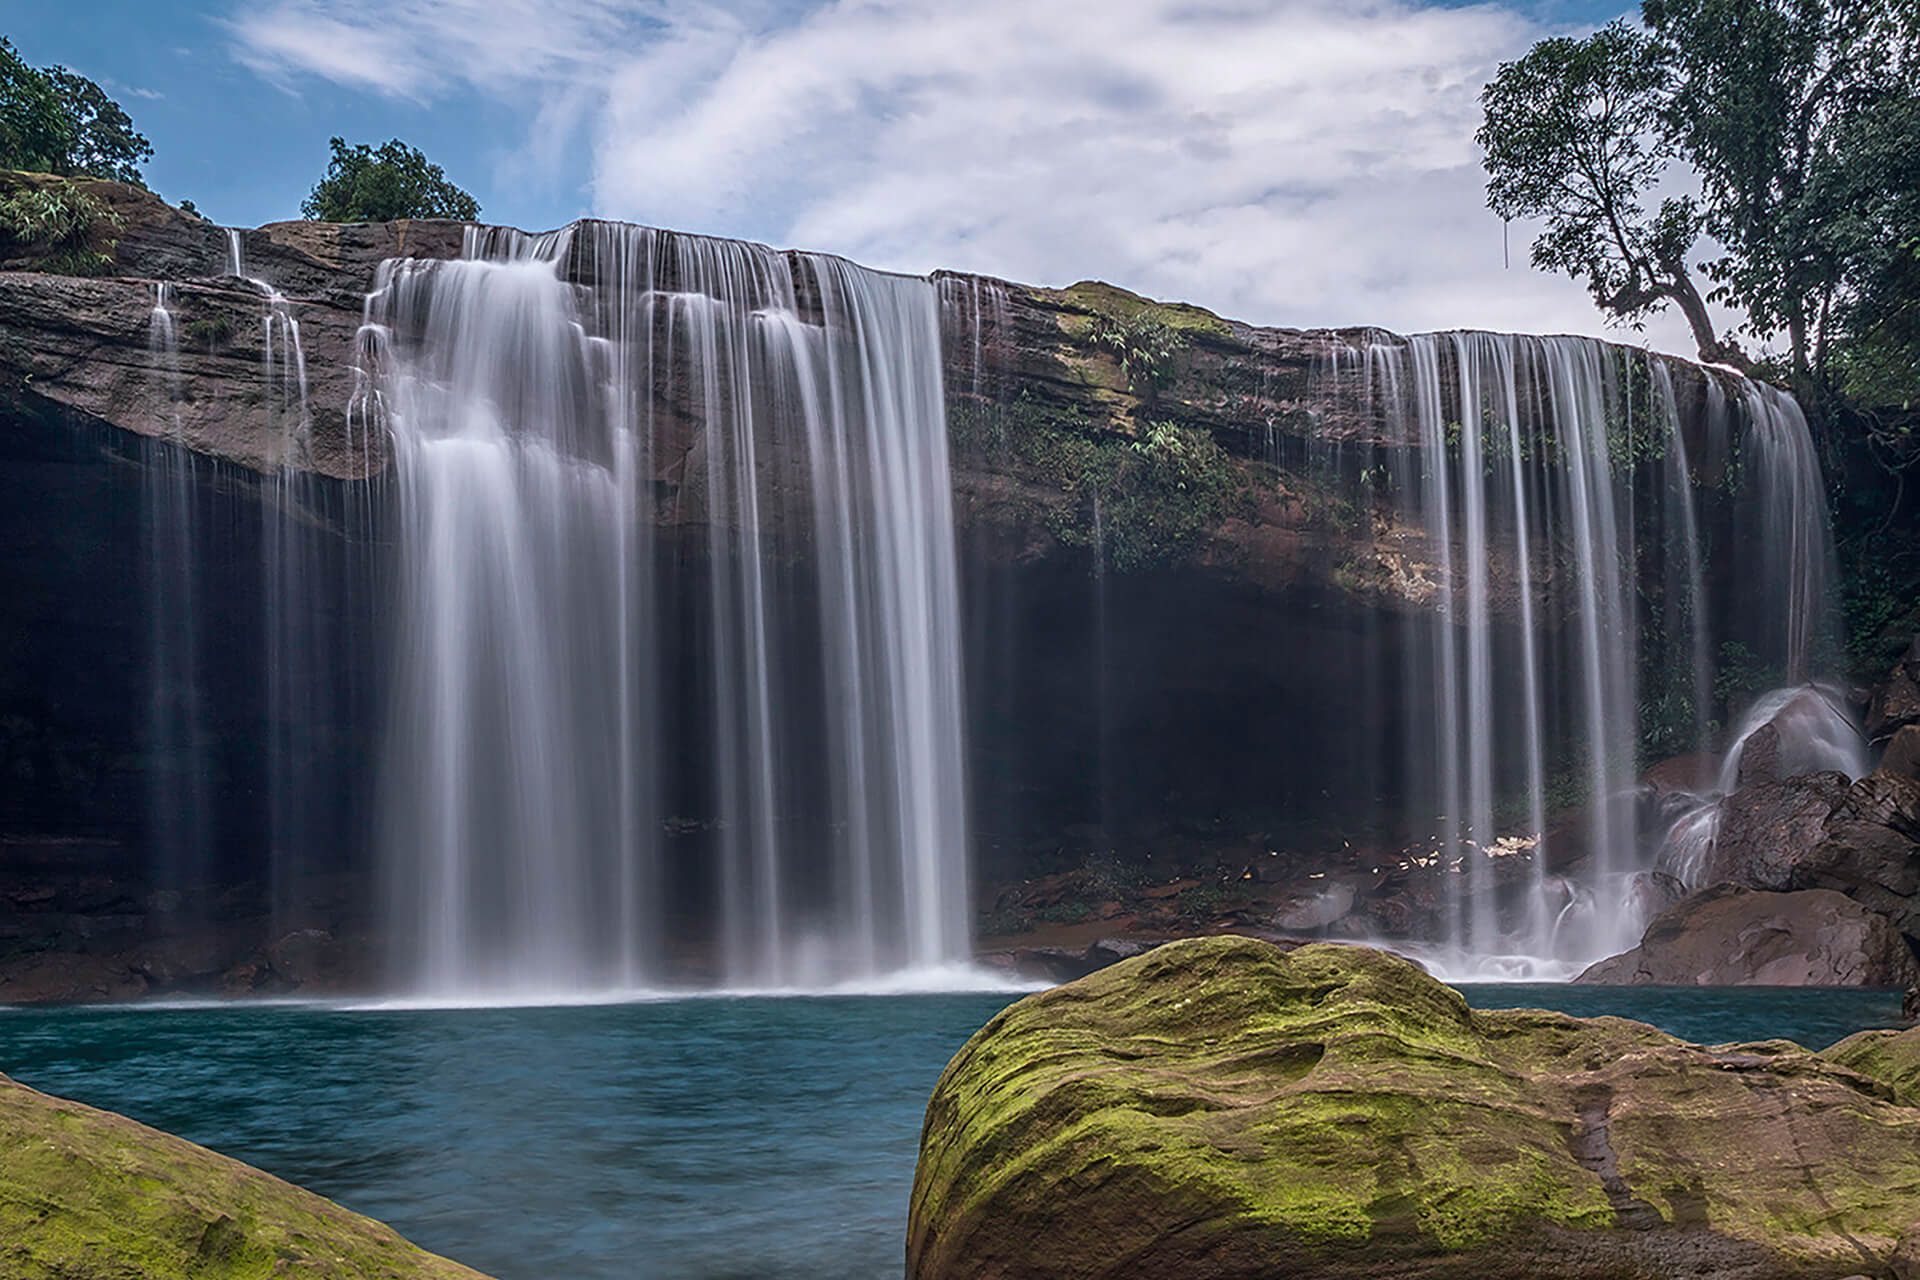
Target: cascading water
{"x":1528,"y":463}
{"x":559,"y":405}
{"x":179,"y":801}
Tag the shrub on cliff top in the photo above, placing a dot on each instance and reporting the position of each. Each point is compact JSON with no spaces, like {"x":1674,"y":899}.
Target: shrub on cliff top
{"x":364,"y":184}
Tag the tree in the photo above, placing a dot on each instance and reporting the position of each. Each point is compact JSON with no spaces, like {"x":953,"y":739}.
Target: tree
{"x":56,"y":121}
{"x":105,"y":144}
{"x":1572,"y":136}
{"x":1771,"y":102}
{"x":396,"y":181}
{"x":35,"y":133}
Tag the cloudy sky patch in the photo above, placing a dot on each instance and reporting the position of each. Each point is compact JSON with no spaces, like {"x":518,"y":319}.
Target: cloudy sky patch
{"x":1298,"y":162}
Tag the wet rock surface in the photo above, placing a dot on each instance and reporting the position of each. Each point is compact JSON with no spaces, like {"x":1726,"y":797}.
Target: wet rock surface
{"x":1218,"y":1108}
{"x":1729,"y":936}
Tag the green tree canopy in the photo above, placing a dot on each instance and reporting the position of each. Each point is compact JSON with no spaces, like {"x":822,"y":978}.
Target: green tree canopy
{"x":1777,"y":105}
{"x":1572,"y":137}
{"x":56,"y":121}
{"x":365,"y":184}
{"x":105,"y":144}
{"x":1800,"y":120}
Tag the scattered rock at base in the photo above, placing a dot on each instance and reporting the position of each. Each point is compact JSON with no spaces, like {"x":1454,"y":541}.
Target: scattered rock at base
{"x":1728,"y":936}
{"x":1219,"y":1109}
{"x":1063,"y":964}
{"x":90,"y":1195}
{"x":1902,"y":756}
{"x":1768,"y":828}
{"x":1817,"y":831}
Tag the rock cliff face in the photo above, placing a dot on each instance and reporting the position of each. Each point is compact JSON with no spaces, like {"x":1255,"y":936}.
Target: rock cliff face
{"x":1143,"y":652}
{"x":1218,"y":1108}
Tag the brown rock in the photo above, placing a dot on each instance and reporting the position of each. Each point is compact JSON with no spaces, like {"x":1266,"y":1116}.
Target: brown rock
{"x":1760,"y":757}
{"x":1896,"y":703}
{"x":1766,"y":829}
{"x":1902,"y":756}
{"x":1729,"y":936}
{"x":51,"y":977}
{"x":1870,"y":849}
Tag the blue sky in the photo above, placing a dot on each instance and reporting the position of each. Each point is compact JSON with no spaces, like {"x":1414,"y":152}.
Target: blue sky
{"x":1299,"y":162}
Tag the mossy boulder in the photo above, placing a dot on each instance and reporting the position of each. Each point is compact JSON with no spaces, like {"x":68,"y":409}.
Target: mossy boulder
{"x":90,"y":1195}
{"x":1221,"y":1108}
{"x":1890,"y":1057}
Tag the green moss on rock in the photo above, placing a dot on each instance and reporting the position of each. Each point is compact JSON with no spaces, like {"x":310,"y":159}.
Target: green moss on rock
{"x":1219,"y":1107}
{"x":90,"y":1195}
{"x":1097,"y":297}
{"x":1890,"y":1057}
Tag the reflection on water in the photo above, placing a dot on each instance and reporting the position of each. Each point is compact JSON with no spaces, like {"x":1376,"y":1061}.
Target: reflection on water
{"x":710,"y":1138}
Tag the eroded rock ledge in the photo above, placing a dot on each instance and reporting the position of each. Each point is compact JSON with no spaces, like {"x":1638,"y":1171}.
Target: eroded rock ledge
{"x":1220,"y":1108}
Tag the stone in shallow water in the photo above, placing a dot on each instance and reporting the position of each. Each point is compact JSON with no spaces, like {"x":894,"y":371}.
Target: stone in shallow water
{"x":1218,"y":1108}
{"x":90,"y":1195}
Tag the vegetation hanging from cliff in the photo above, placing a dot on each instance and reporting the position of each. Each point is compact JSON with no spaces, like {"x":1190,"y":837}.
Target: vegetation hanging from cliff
{"x":55,"y":121}
{"x":1139,"y":502}
{"x":367,"y":184}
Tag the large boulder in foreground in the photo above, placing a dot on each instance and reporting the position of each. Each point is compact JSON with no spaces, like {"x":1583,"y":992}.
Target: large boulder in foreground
{"x":1219,"y":1108}
{"x":90,"y":1195}
{"x":1728,"y":936}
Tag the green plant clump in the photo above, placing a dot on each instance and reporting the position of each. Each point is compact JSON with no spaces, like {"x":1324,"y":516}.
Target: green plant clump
{"x":59,"y":224}
{"x":1140,"y":502}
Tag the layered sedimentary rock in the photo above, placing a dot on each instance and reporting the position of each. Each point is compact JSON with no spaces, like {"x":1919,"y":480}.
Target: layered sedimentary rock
{"x":1218,"y":1108}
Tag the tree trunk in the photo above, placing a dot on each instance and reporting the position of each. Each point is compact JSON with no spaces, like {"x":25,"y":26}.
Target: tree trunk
{"x":1694,"y":307}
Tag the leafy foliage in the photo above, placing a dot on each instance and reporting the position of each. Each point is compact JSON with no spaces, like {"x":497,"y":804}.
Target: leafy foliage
{"x":1140,"y":502}
{"x":105,"y":143}
{"x":1571,"y":137}
{"x":1778,"y":106}
{"x":367,"y":184}
{"x":1147,"y":347}
{"x":56,"y":121}
{"x":34,"y":130}
{"x":60,"y":225}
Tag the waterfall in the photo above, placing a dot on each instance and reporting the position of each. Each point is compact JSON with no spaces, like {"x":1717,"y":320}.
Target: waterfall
{"x":179,"y":796}
{"x":564,"y":408}
{"x":1785,"y":530}
{"x":1552,"y":483}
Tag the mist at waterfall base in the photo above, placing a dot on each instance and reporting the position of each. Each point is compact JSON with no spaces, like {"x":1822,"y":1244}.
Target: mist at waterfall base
{"x":717,"y":1139}
{"x":665,"y":616}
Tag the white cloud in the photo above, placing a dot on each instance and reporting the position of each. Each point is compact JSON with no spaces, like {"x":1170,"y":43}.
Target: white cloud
{"x":1301,"y":162}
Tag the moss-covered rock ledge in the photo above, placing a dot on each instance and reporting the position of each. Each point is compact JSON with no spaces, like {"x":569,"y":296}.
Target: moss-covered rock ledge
{"x":89,"y":1195}
{"x":1221,"y":1108}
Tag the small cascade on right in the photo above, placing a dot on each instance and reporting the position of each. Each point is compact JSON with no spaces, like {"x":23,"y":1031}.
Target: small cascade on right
{"x":1578,"y":541}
